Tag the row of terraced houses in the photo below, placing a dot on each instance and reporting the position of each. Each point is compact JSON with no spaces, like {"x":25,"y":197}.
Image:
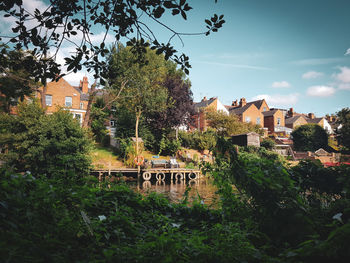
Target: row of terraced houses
{"x":274,"y":121}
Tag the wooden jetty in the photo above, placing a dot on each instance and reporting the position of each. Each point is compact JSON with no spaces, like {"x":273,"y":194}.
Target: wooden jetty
{"x":160,"y":174}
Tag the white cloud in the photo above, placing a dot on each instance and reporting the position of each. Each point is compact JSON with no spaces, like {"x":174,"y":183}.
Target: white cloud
{"x":344,"y":86}
{"x":347,"y":52}
{"x":281,"y":84}
{"x":344,"y":75}
{"x":312,"y":75}
{"x":320,"y":91}
{"x":7,"y":23}
{"x":278,"y":100}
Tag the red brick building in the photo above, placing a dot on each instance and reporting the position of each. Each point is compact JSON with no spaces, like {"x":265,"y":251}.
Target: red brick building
{"x":273,"y":120}
{"x":60,"y":94}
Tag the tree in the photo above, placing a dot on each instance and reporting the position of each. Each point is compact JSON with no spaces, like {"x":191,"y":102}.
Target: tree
{"x":227,"y":125}
{"x":144,"y":92}
{"x":15,"y":81}
{"x":309,"y":137}
{"x":53,"y":145}
{"x":343,"y":131}
{"x":179,"y":101}
{"x":47,"y":31}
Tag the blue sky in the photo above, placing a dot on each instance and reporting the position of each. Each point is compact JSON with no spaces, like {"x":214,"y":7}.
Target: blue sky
{"x":293,"y":53}
{"x":290,"y":52}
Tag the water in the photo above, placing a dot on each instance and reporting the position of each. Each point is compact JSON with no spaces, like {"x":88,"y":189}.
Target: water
{"x":201,"y":190}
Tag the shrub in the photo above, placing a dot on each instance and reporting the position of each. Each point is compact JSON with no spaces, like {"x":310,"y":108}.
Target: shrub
{"x":268,"y":143}
{"x":51,"y":145}
{"x":309,"y":137}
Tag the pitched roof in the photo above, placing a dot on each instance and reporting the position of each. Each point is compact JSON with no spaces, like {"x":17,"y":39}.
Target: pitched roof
{"x":314,"y":120}
{"x":239,"y":111}
{"x":293,"y":119}
{"x":257,"y":103}
{"x":269,"y":113}
{"x":204,"y":103}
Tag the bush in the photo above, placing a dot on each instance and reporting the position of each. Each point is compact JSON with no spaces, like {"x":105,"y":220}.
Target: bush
{"x":309,"y":137}
{"x":169,"y":146}
{"x":52,"y":145}
{"x":268,"y":143}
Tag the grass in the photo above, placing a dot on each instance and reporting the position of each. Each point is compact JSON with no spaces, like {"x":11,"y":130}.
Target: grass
{"x":104,"y":158}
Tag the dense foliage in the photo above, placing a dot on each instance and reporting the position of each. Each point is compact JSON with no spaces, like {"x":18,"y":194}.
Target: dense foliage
{"x":343,"y":132}
{"x":309,"y":137}
{"x":298,"y":214}
{"x":47,"y":145}
{"x":199,"y":140}
{"x":273,"y":213}
{"x":15,"y":81}
{"x":227,"y":125}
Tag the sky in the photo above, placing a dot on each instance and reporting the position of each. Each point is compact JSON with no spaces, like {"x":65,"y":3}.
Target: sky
{"x":293,"y":53}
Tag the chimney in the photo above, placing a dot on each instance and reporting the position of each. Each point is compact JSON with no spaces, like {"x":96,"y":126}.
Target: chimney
{"x":290,"y":112}
{"x":311,"y":116}
{"x":242,"y":102}
{"x":84,"y":85}
{"x":234,"y":103}
{"x":204,"y":99}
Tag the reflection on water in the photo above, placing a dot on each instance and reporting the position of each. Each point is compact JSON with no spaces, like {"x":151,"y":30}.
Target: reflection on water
{"x":201,"y":189}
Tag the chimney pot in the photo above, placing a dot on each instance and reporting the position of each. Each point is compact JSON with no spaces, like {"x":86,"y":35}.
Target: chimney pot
{"x":242,"y":102}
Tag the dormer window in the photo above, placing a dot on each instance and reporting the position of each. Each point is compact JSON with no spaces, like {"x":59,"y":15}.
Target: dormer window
{"x":68,"y":102}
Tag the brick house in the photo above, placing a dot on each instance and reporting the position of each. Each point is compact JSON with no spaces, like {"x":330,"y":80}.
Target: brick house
{"x":261,"y":105}
{"x":62,"y":94}
{"x":249,"y":113}
{"x":295,"y":121}
{"x":200,"y":121}
{"x":274,"y":120}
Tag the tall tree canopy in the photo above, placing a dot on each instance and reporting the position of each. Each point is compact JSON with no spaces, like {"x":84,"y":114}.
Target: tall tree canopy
{"x":179,"y":101}
{"x":309,"y":137}
{"x":343,"y":132}
{"x":15,"y":80}
{"x":74,"y":21}
{"x":142,"y":79}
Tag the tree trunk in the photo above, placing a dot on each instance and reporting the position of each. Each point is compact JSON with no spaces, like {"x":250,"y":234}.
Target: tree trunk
{"x":138,"y":115}
{"x":92,"y":93}
{"x":43,"y":96}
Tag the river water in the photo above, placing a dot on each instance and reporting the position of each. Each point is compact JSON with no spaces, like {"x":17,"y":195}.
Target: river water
{"x":201,"y":190}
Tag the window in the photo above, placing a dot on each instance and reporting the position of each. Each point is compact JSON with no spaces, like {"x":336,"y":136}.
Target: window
{"x":278,"y":121}
{"x":78,"y":117}
{"x":264,"y":109}
{"x":247,"y":119}
{"x":112,"y":123}
{"x":258,"y":120}
{"x":48,"y":100}
{"x":68,"y":102}
{"x":81,"y":105}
